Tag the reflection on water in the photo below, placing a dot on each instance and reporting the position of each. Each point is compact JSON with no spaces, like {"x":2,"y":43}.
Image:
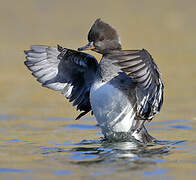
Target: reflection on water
{"x":128,"y":154}
{"x":119,"y":152}
{"x":81,"y":126}
{"x":9,"y":170}
{"x":63,"y":172}
{"x":55,"y":149}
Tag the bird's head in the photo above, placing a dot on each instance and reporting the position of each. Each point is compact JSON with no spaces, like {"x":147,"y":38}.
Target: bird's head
{"x":102,"y":38}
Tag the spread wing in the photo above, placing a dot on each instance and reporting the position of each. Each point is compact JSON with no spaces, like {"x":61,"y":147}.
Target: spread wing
{"x":65,"y":70}
{"x":141,"y":68}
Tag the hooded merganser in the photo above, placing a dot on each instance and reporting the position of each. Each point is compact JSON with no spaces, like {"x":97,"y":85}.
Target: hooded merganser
{"x":123,"y":91}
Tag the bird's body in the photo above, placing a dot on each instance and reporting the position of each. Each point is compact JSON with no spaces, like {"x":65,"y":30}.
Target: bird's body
{"x":109,"y":99}
{"x":111,"y":107}
{"x":123,"y":90}
{"x":113,"y":111}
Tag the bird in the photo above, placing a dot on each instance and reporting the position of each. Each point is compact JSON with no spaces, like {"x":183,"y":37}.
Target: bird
{"x":123,"y":91}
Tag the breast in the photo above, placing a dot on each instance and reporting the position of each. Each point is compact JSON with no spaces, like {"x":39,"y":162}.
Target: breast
{"x":111,"y":107}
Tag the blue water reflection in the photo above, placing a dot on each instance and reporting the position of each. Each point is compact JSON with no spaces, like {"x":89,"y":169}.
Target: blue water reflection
{"x":181,"y":127}
{"x":10,"y":170}
{"x":157,"y":171}
{"x":81,"y":126}
{"x":63,"y":172}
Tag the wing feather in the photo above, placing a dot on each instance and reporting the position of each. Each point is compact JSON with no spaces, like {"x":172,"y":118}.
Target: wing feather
{"x":63,"y":70}
{"x":141,"y":68}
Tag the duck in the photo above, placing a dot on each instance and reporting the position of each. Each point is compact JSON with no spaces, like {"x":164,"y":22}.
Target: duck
{"x":123,"y":91}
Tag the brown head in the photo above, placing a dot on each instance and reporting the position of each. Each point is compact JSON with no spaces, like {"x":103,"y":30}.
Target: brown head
{"x":102,"y":38}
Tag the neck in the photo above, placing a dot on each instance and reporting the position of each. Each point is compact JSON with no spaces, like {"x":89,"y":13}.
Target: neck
{"x":106,"y":52}
{"x":108,"y":70}
{"x":107,"y":47}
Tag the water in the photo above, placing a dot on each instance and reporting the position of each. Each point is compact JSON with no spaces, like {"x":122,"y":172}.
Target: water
{"x":39,"y":138}
{"x":53,"y":148}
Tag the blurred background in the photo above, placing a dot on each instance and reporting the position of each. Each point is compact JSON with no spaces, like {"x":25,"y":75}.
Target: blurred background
{"x":167,"y":29}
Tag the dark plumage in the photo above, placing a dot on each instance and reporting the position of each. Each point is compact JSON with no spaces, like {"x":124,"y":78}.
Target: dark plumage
{"x":51,"y":67}
{"x":123,"y":91}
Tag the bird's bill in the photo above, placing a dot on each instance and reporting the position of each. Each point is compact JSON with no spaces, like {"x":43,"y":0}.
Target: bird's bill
{"x":88,"y":46}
